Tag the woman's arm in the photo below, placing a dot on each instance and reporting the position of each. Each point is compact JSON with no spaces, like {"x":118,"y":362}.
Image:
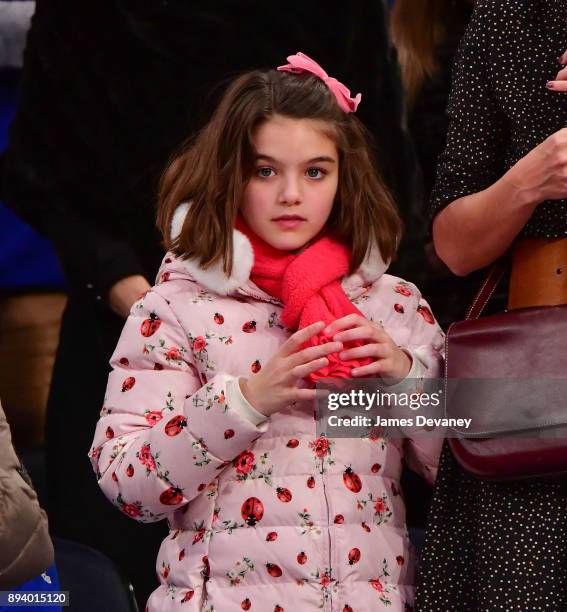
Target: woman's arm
{"x":476,"y":229}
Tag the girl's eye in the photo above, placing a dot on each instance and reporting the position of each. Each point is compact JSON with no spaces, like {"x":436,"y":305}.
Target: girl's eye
{"x":315,"y":173}
{"x":265,"y":172}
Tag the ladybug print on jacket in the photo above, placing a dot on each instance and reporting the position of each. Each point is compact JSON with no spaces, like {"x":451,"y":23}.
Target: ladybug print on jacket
{"x":274,"y":570}
{"x":272,"y":536}
{"x":302,"y":558}
{"x":402,"y":289}
{"x":128,"y":384}
{"x":252,"y":511}
{"x":375,"y":468}
{"x":130,"y":471}
{"x":284,"y":495}
{"x":109,"y":433}
{"x":278,"y":609}
{"x":249,"y":327}
{"x":171,"y":497}
{"x":352,"y":481}
{"x":354,"y":556}
{"x":150,"y":326}
{"x":218,"y":318}
{"x":256,"y":366}
{"x":188,"y":596}
{"x":175,"y":425}
{"x":246,"y":604}
{"x":124,"y":361}
{"x":399,"y":308}
{"x":311,"y":482}
{"x":426,"y":314}
{"x":339,"y":519}
{"x":347,"y":608}
{"x":293,"y":443}
{"x":229,"y":433}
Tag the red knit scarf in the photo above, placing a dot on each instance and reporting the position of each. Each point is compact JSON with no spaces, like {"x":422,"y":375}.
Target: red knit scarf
{"x":309,"y":286}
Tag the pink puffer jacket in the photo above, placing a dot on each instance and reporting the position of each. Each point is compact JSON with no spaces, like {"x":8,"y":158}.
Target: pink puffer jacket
{"x":264,"y":516}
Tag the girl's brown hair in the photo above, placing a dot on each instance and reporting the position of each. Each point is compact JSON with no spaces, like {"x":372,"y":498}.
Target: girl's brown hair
{"x":213,"y":169}
{"x":417,"y":28}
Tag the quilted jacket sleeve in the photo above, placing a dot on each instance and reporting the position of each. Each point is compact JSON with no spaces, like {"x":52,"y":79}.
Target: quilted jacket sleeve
{"x":162,"y":436}
{"x":426,"y":346}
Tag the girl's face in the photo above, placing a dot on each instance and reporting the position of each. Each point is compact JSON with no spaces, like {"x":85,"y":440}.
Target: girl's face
{"x":291,"y":193}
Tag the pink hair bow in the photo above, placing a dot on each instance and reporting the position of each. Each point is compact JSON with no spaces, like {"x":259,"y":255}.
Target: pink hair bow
{"x":302,"y":63}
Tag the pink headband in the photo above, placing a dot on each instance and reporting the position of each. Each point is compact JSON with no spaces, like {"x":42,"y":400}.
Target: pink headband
{"x":302,"y":63}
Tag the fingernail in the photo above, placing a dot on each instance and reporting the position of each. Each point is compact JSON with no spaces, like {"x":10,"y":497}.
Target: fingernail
{"x":550,"y":85}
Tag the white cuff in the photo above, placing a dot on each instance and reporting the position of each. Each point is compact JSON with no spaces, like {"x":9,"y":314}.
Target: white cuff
{"x":238,"y":402}
{"x":416,"y":372}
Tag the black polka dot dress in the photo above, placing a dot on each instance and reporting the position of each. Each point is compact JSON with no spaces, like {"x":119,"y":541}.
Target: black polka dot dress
{"x":499,"y":546}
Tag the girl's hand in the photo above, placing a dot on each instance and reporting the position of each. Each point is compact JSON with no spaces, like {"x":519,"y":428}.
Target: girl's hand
{"x":390,"y":360}
{"x":560,"y":81}
{"x":275,"y":386}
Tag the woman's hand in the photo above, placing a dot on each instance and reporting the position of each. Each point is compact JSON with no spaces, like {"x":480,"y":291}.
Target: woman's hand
{"x":275,"y":386}
{"x":542,"y":173}
{"x":560,"y":81}
{"x":125,"y":292}
{"x":389,"y":360}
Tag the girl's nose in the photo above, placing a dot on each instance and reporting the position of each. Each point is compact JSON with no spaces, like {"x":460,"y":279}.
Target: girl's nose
{"x":290,"y":192}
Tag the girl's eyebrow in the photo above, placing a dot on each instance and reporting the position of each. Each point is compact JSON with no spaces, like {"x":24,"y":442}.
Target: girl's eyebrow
{"x":314,"y":160}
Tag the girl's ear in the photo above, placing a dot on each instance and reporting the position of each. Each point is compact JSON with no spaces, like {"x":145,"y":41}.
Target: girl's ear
{"x":178,"y":220}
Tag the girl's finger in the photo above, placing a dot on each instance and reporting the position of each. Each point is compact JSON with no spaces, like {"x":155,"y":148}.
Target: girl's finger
{"x":561,"y":75}
{"x":560,"y":86}
{"x":314,"y":352}
{"x":303,"y":370}
{"x":345,"y":322}
{"x":305,"y":394}
{"x":292,"y":344}
{"x":372,"y":369}
{"x":366,"y":332}
{"x":562,"y":59}
{"x":374,"y":349}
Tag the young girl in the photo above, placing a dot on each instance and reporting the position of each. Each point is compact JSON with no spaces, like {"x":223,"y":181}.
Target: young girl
{"x":269,"y":283}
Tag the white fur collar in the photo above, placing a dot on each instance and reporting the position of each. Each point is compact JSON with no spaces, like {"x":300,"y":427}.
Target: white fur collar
{"x":214,"y":278}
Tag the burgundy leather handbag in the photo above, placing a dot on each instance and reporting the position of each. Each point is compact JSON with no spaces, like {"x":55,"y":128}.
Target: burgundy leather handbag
{"x":508,"y":373}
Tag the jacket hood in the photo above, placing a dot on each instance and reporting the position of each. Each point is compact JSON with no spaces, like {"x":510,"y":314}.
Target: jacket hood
{"x":214,"y":279}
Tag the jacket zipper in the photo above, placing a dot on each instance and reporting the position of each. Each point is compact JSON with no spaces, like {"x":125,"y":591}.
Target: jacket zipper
{"x":328,"y":606}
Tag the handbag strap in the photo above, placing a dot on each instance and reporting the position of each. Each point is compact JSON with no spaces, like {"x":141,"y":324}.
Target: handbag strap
{"x":493,"y":277}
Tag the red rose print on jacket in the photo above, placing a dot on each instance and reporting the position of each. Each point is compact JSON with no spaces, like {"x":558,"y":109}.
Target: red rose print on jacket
{"x":146,"y":458}
{"x":244,"y":462}
{"x":173,"y":354}
{"x":153,"y":417}
{"x":320,"y":446}
{"x":199,"y":344}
